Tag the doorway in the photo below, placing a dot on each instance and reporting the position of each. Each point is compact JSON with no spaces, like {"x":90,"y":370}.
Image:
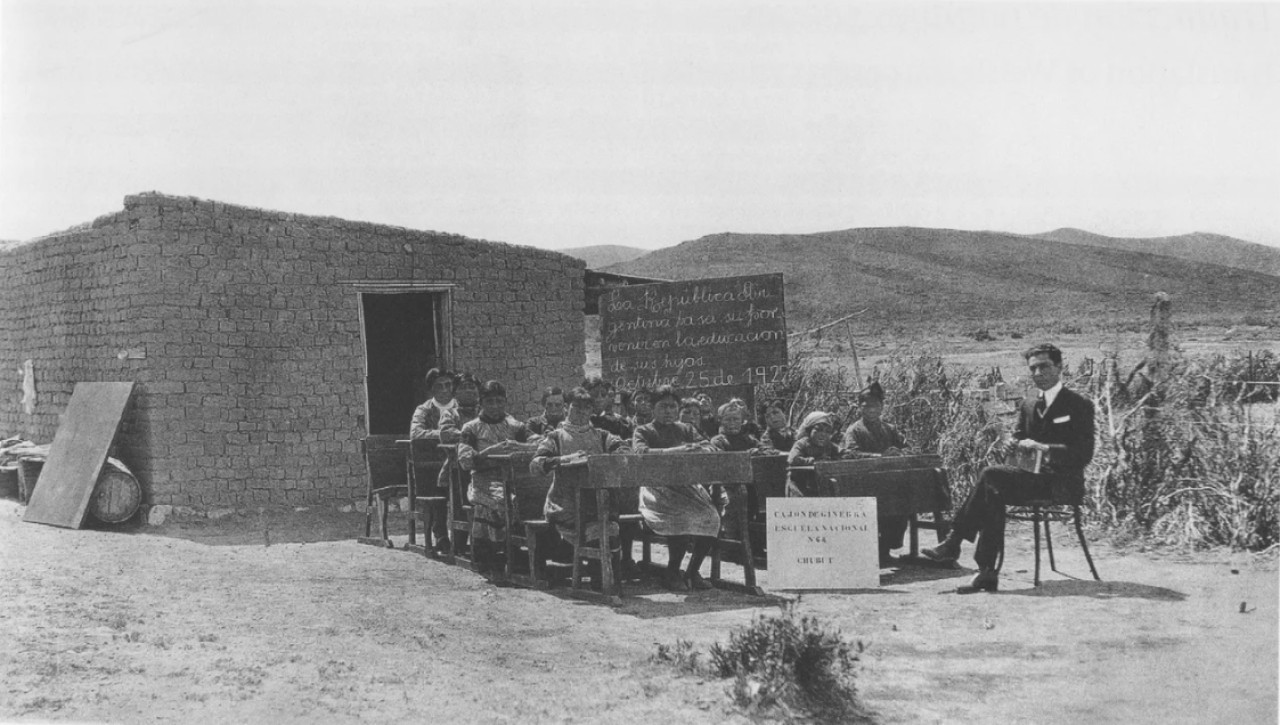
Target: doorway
{"x":405,"y":335}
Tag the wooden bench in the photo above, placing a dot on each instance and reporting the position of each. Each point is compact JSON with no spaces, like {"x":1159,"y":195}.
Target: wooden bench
{"x":605,"y":474}
{"x":902,"y":486}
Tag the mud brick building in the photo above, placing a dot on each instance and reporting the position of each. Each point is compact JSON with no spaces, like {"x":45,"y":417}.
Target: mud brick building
{"x":265,"y":345}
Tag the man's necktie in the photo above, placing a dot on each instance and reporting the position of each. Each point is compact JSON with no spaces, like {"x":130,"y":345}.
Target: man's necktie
{"x":1040,"y":406}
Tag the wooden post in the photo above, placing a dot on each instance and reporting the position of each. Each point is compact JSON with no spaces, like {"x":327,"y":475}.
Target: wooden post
{"x":1158,"y":340}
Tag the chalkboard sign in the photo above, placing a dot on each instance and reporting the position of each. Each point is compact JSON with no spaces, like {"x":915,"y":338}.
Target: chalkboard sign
{"x":695,"y":334}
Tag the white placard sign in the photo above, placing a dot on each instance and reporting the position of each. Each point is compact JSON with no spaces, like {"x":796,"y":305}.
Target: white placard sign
{"x":822,"y":543}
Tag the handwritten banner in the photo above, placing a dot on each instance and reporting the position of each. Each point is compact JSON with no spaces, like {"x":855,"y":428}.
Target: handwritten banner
{"x":695,"y":334}
{"x":822,"y":543}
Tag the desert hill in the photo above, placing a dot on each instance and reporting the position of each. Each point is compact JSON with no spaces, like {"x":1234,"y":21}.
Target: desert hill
{"x":603,"y":255}
{"x":906,"y":275}
{"x":1194,"y":247}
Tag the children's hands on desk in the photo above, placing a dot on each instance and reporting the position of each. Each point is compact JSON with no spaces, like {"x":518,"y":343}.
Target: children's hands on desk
{"x":577,"y":458}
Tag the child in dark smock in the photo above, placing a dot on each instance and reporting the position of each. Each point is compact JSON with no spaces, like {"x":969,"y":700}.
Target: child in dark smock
{"x":815,"y":444}
{"x":733,"y":437}
{"x":777,"y":433}
{"x":869,"y":436}
{"x":684,"y":514}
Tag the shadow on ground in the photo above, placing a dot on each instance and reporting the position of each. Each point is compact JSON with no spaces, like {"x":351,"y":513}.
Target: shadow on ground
{"x":1101,"y":590}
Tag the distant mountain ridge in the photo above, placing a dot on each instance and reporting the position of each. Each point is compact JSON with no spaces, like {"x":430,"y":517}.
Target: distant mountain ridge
{"x":909,"y":274}
{"x":1195,"y":247}
{"x":603,"y":255}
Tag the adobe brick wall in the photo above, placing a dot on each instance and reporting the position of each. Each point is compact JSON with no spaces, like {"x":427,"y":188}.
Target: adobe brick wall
{"x":242,"y":332}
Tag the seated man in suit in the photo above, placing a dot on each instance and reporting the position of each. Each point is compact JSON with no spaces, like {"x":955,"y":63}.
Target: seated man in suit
{"x":1059,"y":418}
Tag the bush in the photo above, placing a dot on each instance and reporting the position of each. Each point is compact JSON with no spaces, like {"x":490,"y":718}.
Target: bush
{"x":789,"y":663}
{"x":1196,"y":460}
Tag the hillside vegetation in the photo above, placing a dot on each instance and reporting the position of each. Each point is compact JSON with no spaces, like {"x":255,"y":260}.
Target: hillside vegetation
{"x":906,"y":277}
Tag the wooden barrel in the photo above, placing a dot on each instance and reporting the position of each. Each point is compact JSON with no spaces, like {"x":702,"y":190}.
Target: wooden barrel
{"x":28,"y":474}
{"x":116,"y":496}
{"x":9,"y":482}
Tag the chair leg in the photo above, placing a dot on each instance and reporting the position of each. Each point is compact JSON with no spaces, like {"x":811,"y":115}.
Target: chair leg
{"x":915,"y":535}
{"x":413,"y":503}
{"x":1035,"y":525}
{"x":715,"y":560}
{"x":1084,"y":545}
{"x":941,"y":527}
{"x":1048,"y":544}
{"x":368,"y":515}
{"x":471,"y":539}
{"x":382,"y":518}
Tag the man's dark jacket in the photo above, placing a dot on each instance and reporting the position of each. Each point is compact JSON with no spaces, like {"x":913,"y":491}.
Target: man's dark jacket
{"x":1068,"y":422}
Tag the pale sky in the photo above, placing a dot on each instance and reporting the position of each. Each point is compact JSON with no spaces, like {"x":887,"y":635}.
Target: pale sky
{"x":565,"y":124}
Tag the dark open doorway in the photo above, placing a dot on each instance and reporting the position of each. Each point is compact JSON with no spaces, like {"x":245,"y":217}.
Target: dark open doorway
{"x":404,"y":337}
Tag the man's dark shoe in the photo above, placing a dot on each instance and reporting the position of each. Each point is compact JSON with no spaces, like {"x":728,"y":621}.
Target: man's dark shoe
{"x":948,"y":550}
{"x":674,"y":581}
{"x":696,"y":582}
{"x":986,"y":580}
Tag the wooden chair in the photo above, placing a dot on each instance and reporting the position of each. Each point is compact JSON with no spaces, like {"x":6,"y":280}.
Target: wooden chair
{"x":902,"y":486}
{"x":424,"y":459}
{"x":524,"y":495}
{"x":382,"y":455}
{"x":1061,"y":508}
{"x":460,"y":513}
{"x":769,"y":475}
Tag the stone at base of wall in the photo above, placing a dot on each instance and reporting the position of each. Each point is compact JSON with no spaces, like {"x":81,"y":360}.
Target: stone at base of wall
{"x":158,"y":514}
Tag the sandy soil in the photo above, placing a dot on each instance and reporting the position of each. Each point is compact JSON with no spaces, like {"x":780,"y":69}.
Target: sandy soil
{"x":202,"y":621}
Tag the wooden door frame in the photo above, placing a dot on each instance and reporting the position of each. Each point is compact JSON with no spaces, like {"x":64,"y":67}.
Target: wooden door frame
{"x":444,"y":311}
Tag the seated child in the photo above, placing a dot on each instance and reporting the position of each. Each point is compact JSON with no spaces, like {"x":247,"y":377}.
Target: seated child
{"x":493,"y":432}
{"x":426,"y":418}
{"x":681,"y":513}
{"x":732,"y":438}
{"x":815,"y":444}
{"x":571,"y":442}
{"x":871,"y":436}
{"x":691,"y":413}
{"x":553,"y":404}
{"x":777,"y":433}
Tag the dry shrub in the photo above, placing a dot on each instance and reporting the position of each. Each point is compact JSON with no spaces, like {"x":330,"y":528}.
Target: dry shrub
{"x":792,"y":664}
{"x":1196,"y":460}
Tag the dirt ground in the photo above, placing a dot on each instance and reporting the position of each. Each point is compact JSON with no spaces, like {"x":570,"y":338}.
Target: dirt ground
{"x":203,"y":621}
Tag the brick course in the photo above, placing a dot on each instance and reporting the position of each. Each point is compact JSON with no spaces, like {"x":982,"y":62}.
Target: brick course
{"x":242,"y":331}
